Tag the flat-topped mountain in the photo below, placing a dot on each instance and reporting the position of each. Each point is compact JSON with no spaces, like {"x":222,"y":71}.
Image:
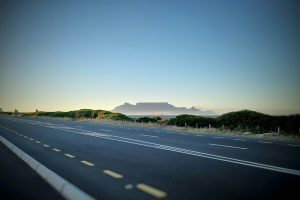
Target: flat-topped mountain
{"x":158,"y":108}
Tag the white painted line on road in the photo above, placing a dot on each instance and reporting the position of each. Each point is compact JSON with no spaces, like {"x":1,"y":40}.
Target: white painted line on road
{"x":128,"y":186}
{"x":200,"y":154}
{"x":238,"y":139}
{"x":62,"y":186}
{"x":31,"y":139}
{"x":188,"y":152}
{"x":57,"y":150}
{"x":107,"y":130}
{"x":151,"y":190}
{"x":265,"y":142}
{"x":69,"y":155}
{"x":199,"y":135}
{"x":25,"y":136}
{"x":113,"y":174}
{"x":294,"y":145}
{"x":221,"y":145}
{"x":217,"y":137}
{"x":87,"y":163}
{"x":46,"y":145}
{"x":148,"y":135}
{"x":37,"y":141}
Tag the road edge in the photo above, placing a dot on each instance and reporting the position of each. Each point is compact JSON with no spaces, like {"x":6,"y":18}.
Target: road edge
{"x":62,"y":186}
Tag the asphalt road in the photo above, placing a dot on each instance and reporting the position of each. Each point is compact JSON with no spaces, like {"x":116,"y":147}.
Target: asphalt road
{"x":122,"y":162}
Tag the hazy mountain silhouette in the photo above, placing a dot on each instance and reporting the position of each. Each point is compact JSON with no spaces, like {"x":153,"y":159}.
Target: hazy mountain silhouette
{"x":158,"y":108}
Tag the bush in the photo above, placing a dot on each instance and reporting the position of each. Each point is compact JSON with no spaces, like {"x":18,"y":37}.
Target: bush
{"x":192,"y":121}
{"x":244,"y":120}
{"x":148,"y":119}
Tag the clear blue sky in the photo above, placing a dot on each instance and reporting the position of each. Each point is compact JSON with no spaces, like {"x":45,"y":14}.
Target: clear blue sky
{"x":221,"y":55}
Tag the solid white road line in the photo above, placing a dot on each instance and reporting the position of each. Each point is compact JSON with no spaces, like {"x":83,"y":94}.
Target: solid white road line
{"x":62,"y":186}
{"x":221,"y":145}
{"x":106,"y":130}
{"x":265,"y":142}
{"x":238,"y":139}
{"x":148,"y":135}
{"x":185,"y":151}
{"x":294,"y":145}
{"x":217,"y":137}
{"x":197,"y":153}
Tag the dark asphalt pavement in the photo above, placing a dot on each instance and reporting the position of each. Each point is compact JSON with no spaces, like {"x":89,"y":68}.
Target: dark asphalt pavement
{"x":122,"y":162}
{"x":19,"y":181}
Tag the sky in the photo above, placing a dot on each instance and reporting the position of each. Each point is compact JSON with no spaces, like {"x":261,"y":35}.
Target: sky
{"x":217,"y":55}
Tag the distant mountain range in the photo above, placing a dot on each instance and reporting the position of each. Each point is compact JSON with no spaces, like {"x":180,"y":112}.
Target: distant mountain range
{"x":158,"y":108}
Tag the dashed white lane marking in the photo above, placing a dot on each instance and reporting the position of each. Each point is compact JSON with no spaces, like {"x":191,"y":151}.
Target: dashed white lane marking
{"x":46,"y":145}
{"x":151,"y":190}
{"x":238,"y":139}
{"x":106,"y":130}
{"x":128,"y":186}
{"x":199,"y":135}
{"x":113,"y":174}
{"x":31,"y":139}
{"x":294,"y":145}
{"x":181,"y":133}
{"x":190,"y":152}
{"x":62,"y":186}
{"x":55,"y":149}
{"x":221,"y":145}
{"x":87,"y":163}
{"x":69,"y":155}
{"x":37,"y":141}
{"x":265,"y":142}
{"x":148,"y":135}
{"x":217,"y":137}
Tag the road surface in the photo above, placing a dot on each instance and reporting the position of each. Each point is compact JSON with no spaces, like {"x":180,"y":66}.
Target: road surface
{"x":123,"y":162}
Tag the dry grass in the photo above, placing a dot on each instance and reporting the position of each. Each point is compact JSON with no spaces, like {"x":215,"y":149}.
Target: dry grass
{"x":214,"y":131}
{"x":272,"y":136}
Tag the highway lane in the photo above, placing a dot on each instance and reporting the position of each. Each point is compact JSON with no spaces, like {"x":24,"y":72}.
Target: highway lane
{"x":19,"y":181}
{"x":262,"y":151}
{"x":176,"y":175}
